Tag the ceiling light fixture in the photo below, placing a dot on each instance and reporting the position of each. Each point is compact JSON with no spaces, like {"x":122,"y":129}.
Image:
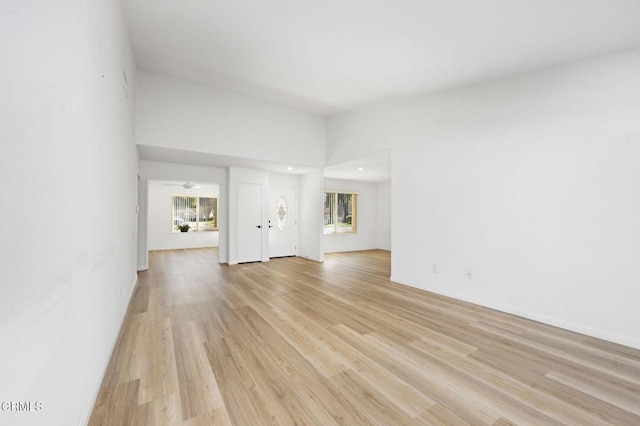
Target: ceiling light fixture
{"x":289,"y":168}
{"x":360,"y":169}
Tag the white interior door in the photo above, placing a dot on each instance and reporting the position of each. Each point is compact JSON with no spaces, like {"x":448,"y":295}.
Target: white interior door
{"x":249,"y":222}
{"x":283,"y":220}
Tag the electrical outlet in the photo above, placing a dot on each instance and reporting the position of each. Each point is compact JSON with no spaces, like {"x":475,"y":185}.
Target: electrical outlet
{"x":469,"y":275}
{"x":434,"y":268}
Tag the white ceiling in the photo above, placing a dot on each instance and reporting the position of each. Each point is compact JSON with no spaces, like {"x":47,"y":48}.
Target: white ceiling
{"x":175,"y":186}
{"x":169,"y":155}
{"x":333,"y":55}
{"x":374,"y":168}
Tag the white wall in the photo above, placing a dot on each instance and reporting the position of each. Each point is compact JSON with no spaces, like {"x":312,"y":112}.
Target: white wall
{"x":160,"y":235}
{"x":528,"y":182}
{"x":354,"y":135}
{"x":175,"y":114}
{"x":366,"y":237}
{"x":281,"y":180}
{"x":310,"y":217}
{"x":383,"y":219}
{"x":153,"y":170}
{"x":68,"y":181}
{"x":142,"y":260}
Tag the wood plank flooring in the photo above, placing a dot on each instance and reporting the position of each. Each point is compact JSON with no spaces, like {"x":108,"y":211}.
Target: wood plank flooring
{"x":297,"y":342}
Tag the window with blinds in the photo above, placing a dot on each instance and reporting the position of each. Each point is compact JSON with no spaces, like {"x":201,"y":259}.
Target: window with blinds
{"x":194,"y":213}
{"x":340,"y":212}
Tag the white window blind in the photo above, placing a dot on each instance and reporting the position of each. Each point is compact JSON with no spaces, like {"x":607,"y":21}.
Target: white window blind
{"x":340,"y":212}
{"x":200,"y":213}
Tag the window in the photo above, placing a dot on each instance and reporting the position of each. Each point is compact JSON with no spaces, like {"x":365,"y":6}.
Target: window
{"x":200,"y":213}
{"x":340,"y":212}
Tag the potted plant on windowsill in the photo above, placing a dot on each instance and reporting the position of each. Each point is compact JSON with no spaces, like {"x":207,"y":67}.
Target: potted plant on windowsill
{"x":183,"y":228}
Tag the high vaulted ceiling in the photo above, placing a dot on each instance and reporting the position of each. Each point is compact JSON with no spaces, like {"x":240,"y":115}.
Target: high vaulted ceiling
{"x":328,"y":56}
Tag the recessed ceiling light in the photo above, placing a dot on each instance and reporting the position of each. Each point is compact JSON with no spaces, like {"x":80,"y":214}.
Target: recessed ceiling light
{"x":289,"y":168}
{"x":360,"y":169}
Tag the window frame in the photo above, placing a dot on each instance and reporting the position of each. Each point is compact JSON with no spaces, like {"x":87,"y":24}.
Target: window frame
{"x":174,"y":229}
{"x":334,"y":213}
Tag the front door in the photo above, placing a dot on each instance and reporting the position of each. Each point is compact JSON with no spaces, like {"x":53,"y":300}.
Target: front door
{"x":283,"y":222}
{"x":249,"y":222}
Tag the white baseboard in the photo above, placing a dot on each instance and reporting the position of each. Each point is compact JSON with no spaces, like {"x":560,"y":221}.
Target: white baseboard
{"x":352,"y":250}
{"x":578,"y":328}
{"x":93,"y":396}
{"x":315,"y":259}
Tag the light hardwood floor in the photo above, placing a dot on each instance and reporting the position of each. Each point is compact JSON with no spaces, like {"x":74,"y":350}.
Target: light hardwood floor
{"x":297,"y":342}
